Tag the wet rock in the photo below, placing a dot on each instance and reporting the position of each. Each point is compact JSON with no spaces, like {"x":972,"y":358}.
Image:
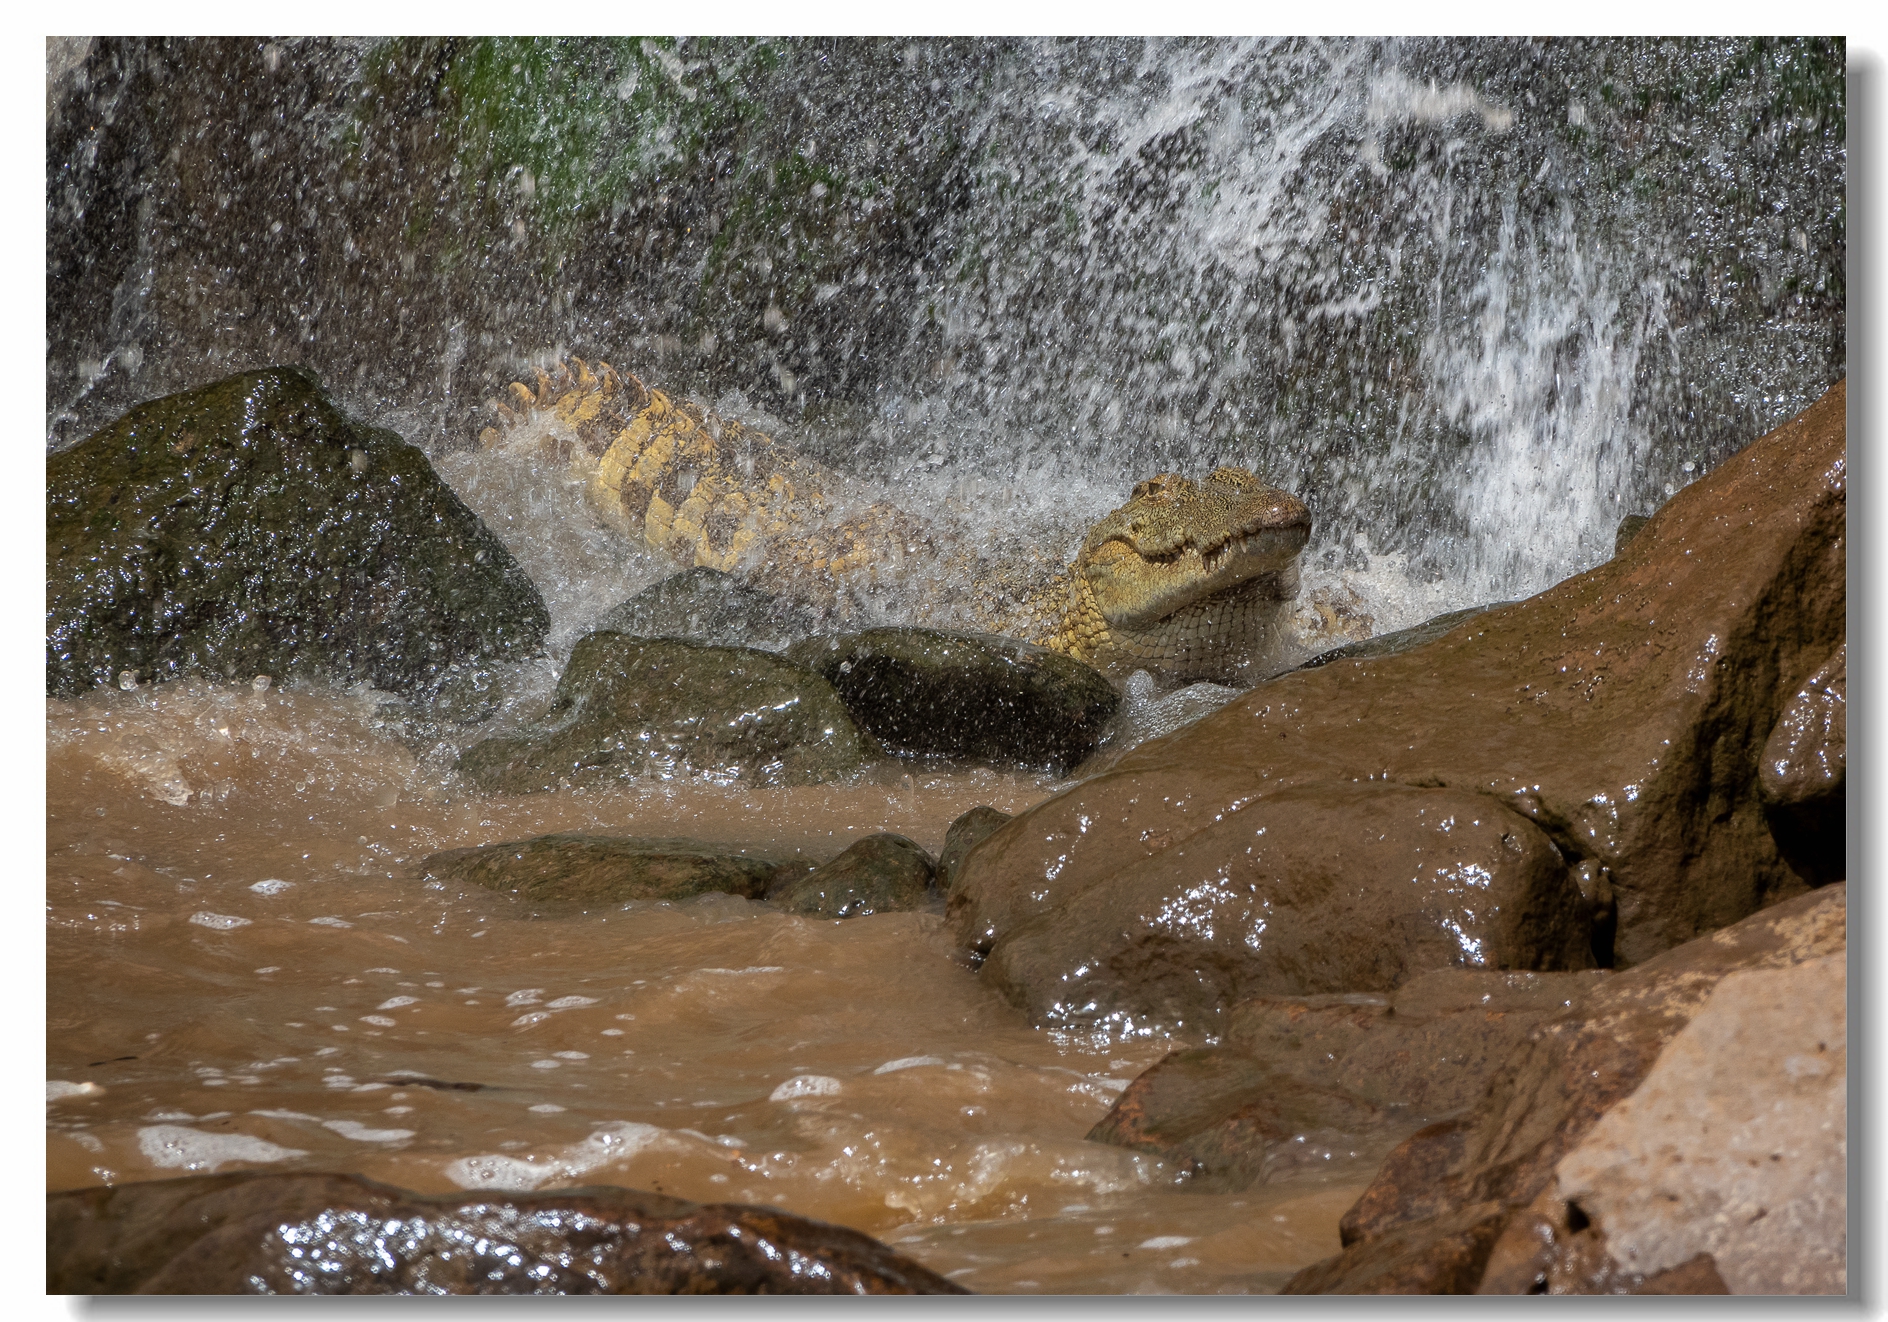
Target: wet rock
{"x":1608,"y":729}
{"x":1802,"y":774}
{"x":343,"y":1234}
{"x":1146,"y":713}
{"x":977,"y":696}
{"x":626,"y":707}
{"x":1444,"y":1256}
{"x":1399,"y":641}
{"x":965,"y":834}
{"x":574,"y":869}
{"x":250,"y":527}
{"x":882,"y":873}
{"x":1629,"y":527}
{"x":1370,"y":1068}
{"x":1229,"y":1120}
{"x":1550,"y":1097}
{"x":706,"y":605}
{"x":1288,"y":896}
{"x":1429,"y":1047}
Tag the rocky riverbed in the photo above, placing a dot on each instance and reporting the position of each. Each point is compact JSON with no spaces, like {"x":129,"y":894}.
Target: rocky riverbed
{"x":1455,"y":932}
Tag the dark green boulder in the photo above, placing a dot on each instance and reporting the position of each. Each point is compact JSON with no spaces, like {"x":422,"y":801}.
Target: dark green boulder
{"x":966,"y":695}
{"x":706,"y":605}
{"x":605,"y":870}
{"x":250,"y":527}
{"x":627,"y":707}
{"x":882,"y":873}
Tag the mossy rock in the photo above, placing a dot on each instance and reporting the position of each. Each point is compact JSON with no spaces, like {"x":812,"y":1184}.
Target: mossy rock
{"x":966,"y":695}
{"x":606,"y":870}
{"x":882,"y":873}
{"x":626,"y":707}
{"x":250,"y":527}
{"x":707,"y":605}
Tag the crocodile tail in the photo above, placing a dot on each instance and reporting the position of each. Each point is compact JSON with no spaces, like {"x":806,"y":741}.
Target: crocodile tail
{"x":582,"y":377}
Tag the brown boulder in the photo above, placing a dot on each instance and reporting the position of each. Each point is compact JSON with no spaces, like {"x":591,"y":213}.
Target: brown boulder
{"x":1329,"y":887}
{"x":1544,"y":1102}
{"x":1309,"y":1079}
{"x":1619,"y":715}
{"x":1229,"y":1121}
{"x":1734,"y":1147}
{"x":342,"y":1234}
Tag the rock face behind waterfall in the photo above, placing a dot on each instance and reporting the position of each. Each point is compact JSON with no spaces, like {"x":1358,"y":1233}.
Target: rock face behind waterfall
{"x":1566,"y":779}
{"x":251,"y":527}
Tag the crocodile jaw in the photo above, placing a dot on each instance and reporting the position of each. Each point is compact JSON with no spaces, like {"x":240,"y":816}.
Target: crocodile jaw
{"x":1136,"y":592}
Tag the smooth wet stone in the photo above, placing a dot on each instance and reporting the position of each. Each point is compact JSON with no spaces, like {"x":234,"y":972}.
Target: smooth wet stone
{"x":627,"y":707}
{"x":706,"y":605}
{"x":1324,"y":887}
{"x":1802,"y":774}
{"x":883,"y":873}
{"x":964,"y":834}
{"x":1495,"y":1167}
{"x":250,"y":527}
{"x":569,"y":868}
{"x":1617,"y":718}
{"x":343,"y":1234}
{"x":965,"y":695}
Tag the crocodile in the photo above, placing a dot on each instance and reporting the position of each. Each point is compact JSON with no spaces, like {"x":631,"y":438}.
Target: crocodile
{"x":1187,"y":580}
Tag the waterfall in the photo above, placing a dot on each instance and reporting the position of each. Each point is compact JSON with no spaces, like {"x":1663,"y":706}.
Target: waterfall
{"x":1474,"y":299}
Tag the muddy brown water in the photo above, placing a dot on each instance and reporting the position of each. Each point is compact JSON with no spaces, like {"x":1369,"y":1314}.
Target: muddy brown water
{"x":244,"y":973}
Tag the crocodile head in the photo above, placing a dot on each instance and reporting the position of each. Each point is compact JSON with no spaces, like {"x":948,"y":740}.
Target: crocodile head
{"x":1177,"y":541}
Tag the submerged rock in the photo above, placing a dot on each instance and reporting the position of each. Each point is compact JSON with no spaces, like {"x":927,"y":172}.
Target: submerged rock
{"x":1546,"y":1184}
{"x":1300,"y":1079}
{"x":626,"y":707}
{"x":250,"y":527}
{"x":577,"y":869}
{"x":344,"y":1234}
{"x":1230,"y":1121}
{"x":883,"y":873}
{"x":1564,"y":780}
{"x":978,"y":696}
{"x":706,"y":605}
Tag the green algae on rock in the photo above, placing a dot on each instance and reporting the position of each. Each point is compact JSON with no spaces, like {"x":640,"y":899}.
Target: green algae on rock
{"x":628,"y":706}
{"x":250,"y":527}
